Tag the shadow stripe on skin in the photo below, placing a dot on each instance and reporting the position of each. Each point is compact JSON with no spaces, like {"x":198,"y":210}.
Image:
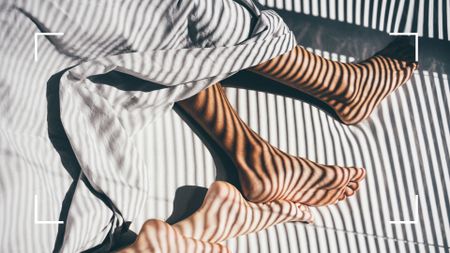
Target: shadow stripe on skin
{"x":265,"y":172}
{"x":224,"y":214}
{"x":157,"y":236}
{"x":352,"y":90}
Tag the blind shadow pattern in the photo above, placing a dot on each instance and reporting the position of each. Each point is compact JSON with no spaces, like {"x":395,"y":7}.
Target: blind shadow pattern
{"x":429,"y":18}
{"x":265,"y":173}
{"x":176,"y":48}
{"x":405,"y":153}
{"x":209,"y":226}
{"x":404,"y":147}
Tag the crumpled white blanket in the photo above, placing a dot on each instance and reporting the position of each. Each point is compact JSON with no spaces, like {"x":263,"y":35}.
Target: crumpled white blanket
{"x":181,"y":46}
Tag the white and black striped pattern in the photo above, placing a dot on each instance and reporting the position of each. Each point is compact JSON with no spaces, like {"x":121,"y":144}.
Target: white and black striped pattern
{"x":413,"y":160}
{"x":404,"y":146}
{"x":51,"y":116}
{"x":429,"y":18}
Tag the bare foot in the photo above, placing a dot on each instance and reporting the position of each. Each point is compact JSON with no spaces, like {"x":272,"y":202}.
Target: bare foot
{"x":159,"y":237}
{"x":225,"y":214}
{"x":281,"y":176}
{"x":265,"y":172}
{"x":353,"y":90}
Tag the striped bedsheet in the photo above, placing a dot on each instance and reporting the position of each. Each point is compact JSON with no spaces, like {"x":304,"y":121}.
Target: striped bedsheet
{"x":405,"y":145}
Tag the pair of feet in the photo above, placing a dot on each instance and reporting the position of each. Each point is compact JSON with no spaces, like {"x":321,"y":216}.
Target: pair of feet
{"x":265,"y":172}
{"x":282,"y":184}
{"x":353,"y":90}
{"x":224,"y":214}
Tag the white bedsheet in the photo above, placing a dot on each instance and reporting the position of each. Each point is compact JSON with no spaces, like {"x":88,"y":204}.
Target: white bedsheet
{"x":404,"y":145}
{"x":179,"y":46}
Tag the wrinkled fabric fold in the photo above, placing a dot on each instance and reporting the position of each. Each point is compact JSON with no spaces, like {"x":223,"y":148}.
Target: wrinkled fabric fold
{"x":182,"y":46}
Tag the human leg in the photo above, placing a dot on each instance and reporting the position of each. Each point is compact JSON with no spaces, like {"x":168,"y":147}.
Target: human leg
{"x":265,"y":172}
{"x":352,"y":90}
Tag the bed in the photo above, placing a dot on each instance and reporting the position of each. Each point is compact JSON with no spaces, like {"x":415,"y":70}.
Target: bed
{"x":403,"y":206}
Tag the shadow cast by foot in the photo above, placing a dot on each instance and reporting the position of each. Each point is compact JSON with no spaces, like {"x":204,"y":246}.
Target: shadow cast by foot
{"x":188,"y":199}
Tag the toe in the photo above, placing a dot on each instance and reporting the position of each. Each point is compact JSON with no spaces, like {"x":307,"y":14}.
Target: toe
{"x":353,"y":186}
{"x":349,"y":191}
{"x":339,"y":195}
{"x":342,"y":195}
{"x":407,"y":72}
{"x":411,"y":68}
{"x":304,"y":214}
{"x":358,"y":174}
{"x":414,"y":65}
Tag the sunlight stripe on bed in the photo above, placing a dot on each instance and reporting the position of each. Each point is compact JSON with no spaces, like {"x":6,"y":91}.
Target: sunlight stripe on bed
{"x":403,"y":146}
{"x":430,"y":19}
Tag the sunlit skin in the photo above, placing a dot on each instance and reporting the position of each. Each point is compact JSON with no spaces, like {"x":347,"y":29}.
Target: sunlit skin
{"x":157,"y":236}
{"x":276,"y":187}
{"x":267,"y":173}
{"x":224,"y":214}
{"x":352,"y":90}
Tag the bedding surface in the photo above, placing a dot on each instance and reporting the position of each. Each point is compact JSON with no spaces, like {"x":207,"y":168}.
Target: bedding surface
{"x":61,"y":105}
{"x":94,"y":151}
